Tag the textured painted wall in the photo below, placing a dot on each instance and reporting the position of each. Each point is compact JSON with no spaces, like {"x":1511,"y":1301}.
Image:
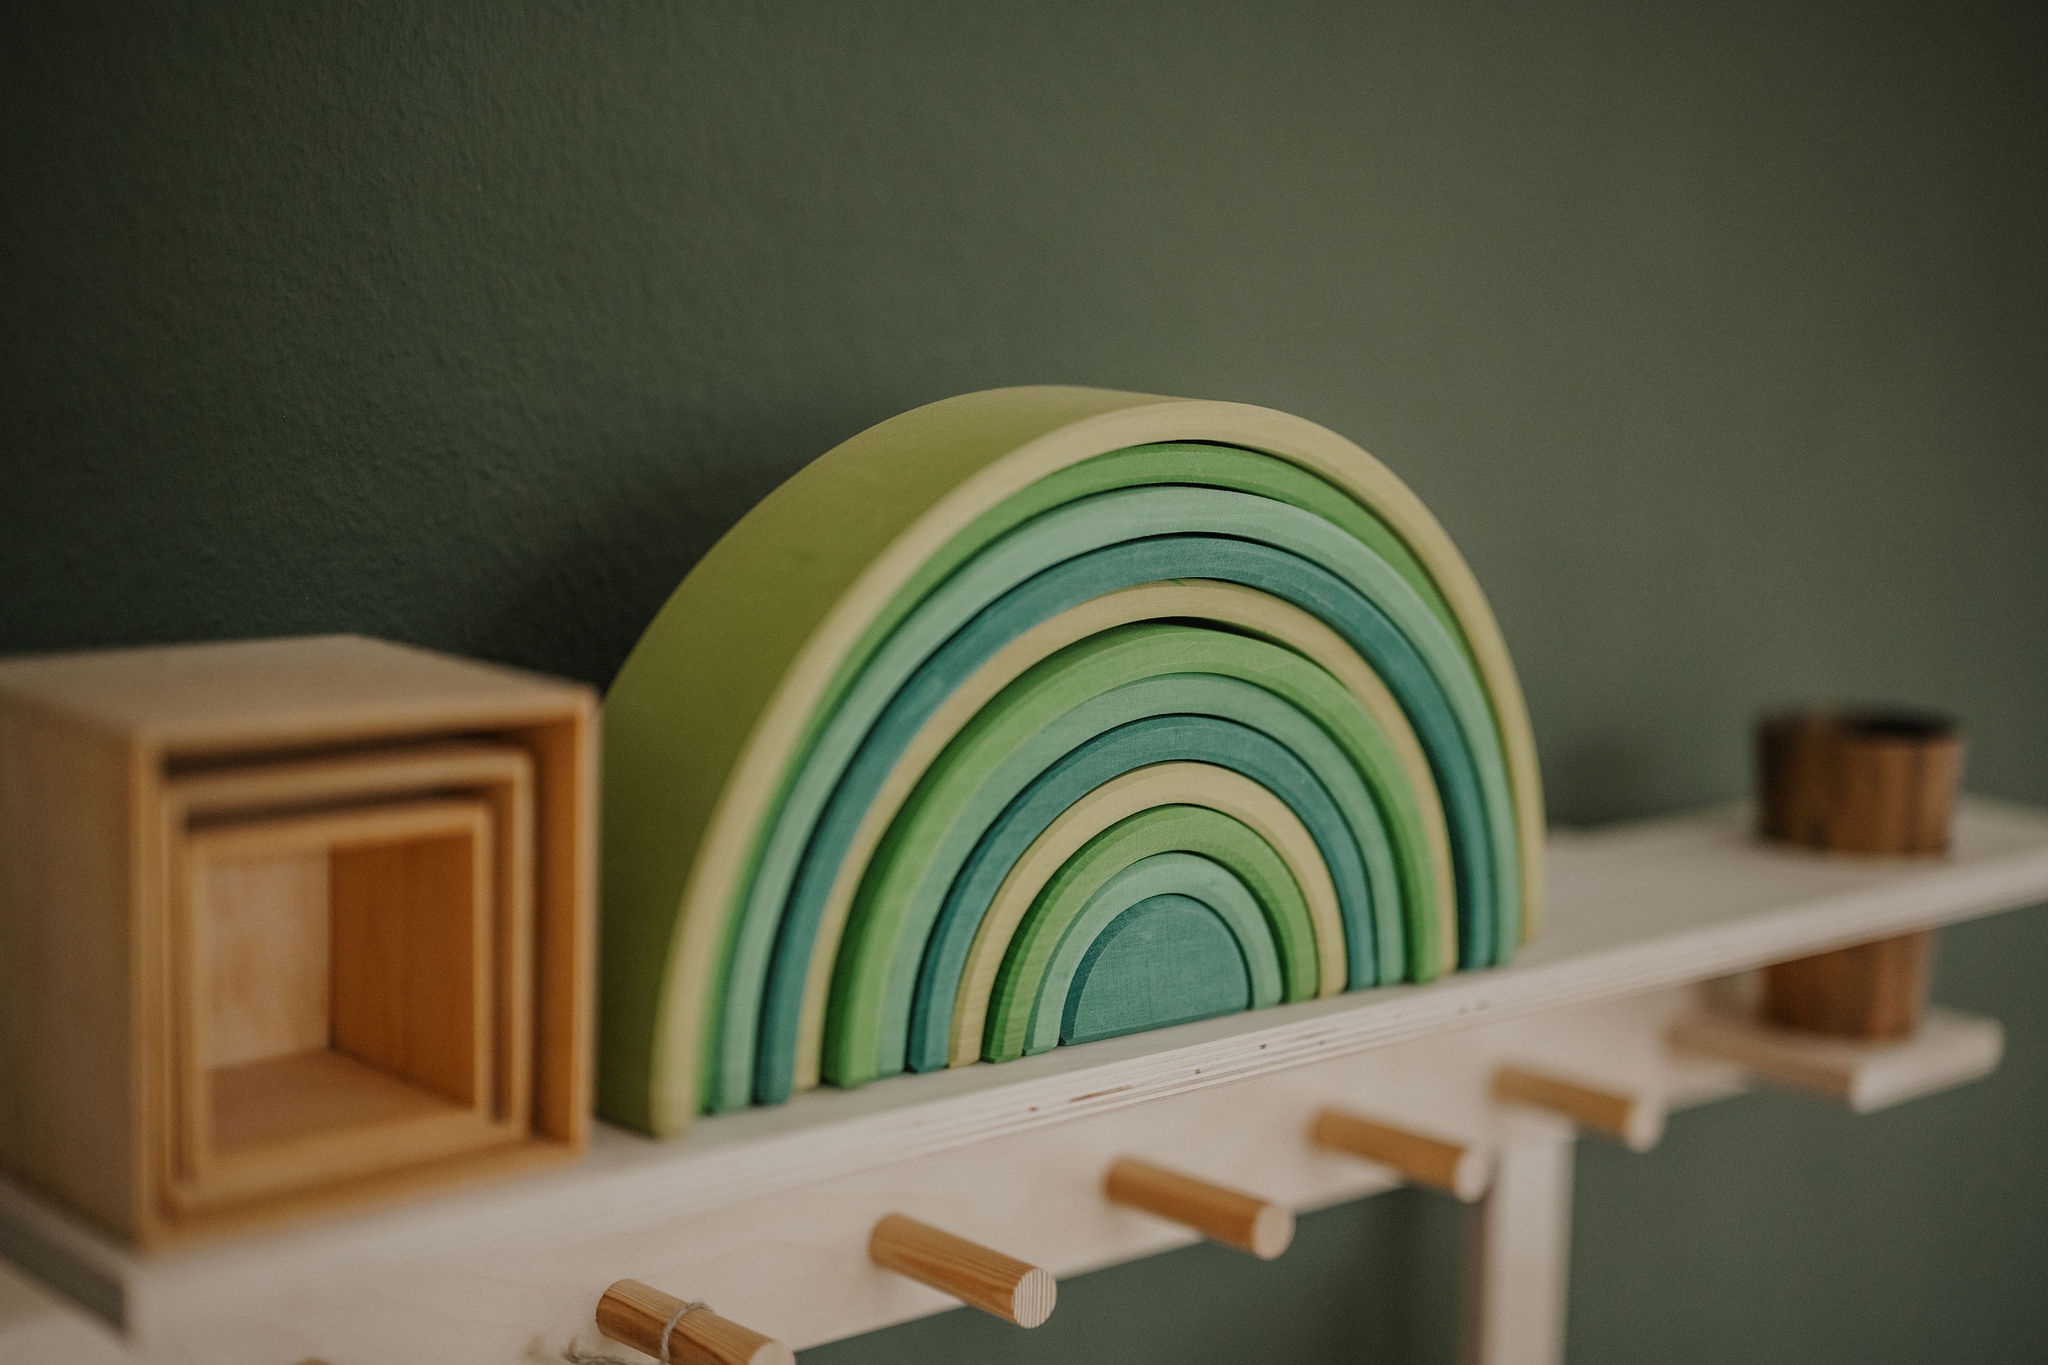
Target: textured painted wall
{"x":1713,"y":333}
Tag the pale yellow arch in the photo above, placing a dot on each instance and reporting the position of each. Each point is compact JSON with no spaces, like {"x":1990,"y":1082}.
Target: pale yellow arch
{"x":1203,"y":599}
{"x":1223,"y":790}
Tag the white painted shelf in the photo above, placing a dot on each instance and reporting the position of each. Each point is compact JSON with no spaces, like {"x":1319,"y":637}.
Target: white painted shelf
{"x":764,"y":1213}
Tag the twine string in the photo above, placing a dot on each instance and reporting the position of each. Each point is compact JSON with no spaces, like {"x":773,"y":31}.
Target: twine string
{"x":683,"y":1309}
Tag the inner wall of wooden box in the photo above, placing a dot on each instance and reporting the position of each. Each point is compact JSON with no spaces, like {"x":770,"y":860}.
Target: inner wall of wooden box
{"x":339,"y":974}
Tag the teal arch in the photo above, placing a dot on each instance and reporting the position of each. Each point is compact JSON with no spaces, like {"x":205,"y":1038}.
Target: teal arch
{"x":771,"y":942}
{"x":775,"y":932}
{"x":1232,"y":469}
{"x":1047,"y":713}
{"x":935,"y":955}
{"x":1168,"y":960}
{"x":1198,"y":463}
{"x":1185,"y":874}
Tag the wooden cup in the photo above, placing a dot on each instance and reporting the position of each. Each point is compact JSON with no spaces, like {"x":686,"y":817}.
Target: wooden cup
{"x":1881,"y":782}
{"x":1868,"y":782}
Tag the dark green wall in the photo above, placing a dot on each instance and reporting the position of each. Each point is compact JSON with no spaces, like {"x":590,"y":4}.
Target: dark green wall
{"x":1713,"y":333}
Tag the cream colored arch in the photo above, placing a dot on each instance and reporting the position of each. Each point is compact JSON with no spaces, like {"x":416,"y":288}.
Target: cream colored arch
{"x":1228,"y":604}
{"x":1223,"y":790}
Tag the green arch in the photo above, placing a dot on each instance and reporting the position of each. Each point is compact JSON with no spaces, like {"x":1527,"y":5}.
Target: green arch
{"x":993,"y":757}
{"x":915,"y":1024}
{"x":1196,"y":463}
{"x":1161,"y":468}
{"x":1223,"y":864}
{"x":1389,"y":956}
{"x":1024,"y":1017}
{"x":771,"y":942}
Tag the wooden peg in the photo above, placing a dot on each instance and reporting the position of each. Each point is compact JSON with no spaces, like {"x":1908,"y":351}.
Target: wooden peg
{"x":677,"y":1332}
{"x":1009,"y":1288}
{"x":1442,"y":1165}
{"x":1219,"y":1213}
{"x":1635,"y":1121}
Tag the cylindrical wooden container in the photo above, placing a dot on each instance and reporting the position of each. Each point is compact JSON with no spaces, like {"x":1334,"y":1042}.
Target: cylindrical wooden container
{"x":1859,"y":781}
{"x":1872,"y":782}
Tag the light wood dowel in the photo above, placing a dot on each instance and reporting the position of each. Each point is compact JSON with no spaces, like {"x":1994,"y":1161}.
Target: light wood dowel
{"x":639,"y":1315}
{"x":1009,"y":1288}
{"x":1635,"y":1121}
{"x":1219,"y":1213}
{"x":1440,"y":1164}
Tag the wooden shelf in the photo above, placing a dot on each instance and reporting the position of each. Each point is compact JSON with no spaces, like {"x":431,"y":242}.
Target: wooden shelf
{"x":746,"y":1210}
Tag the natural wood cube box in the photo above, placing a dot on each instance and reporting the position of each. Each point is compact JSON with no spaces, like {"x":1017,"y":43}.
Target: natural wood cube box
{"x":331,"y":996}
{"x":288,"y":923}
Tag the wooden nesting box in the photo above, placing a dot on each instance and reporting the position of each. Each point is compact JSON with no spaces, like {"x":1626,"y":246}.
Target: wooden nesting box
{"x":287,"y":923}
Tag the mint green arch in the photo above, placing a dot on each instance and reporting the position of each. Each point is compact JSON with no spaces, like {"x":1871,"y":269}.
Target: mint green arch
{"x":1168,"y":960}
{"x":916,"y":1025}
{"x":1019,"y":735}
{"x":1234,"y":469}
{"x":1031,"y":991}
{"x":773,"y":935}
{"x":1200,"y":464}
{"x":1279,"y":920}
